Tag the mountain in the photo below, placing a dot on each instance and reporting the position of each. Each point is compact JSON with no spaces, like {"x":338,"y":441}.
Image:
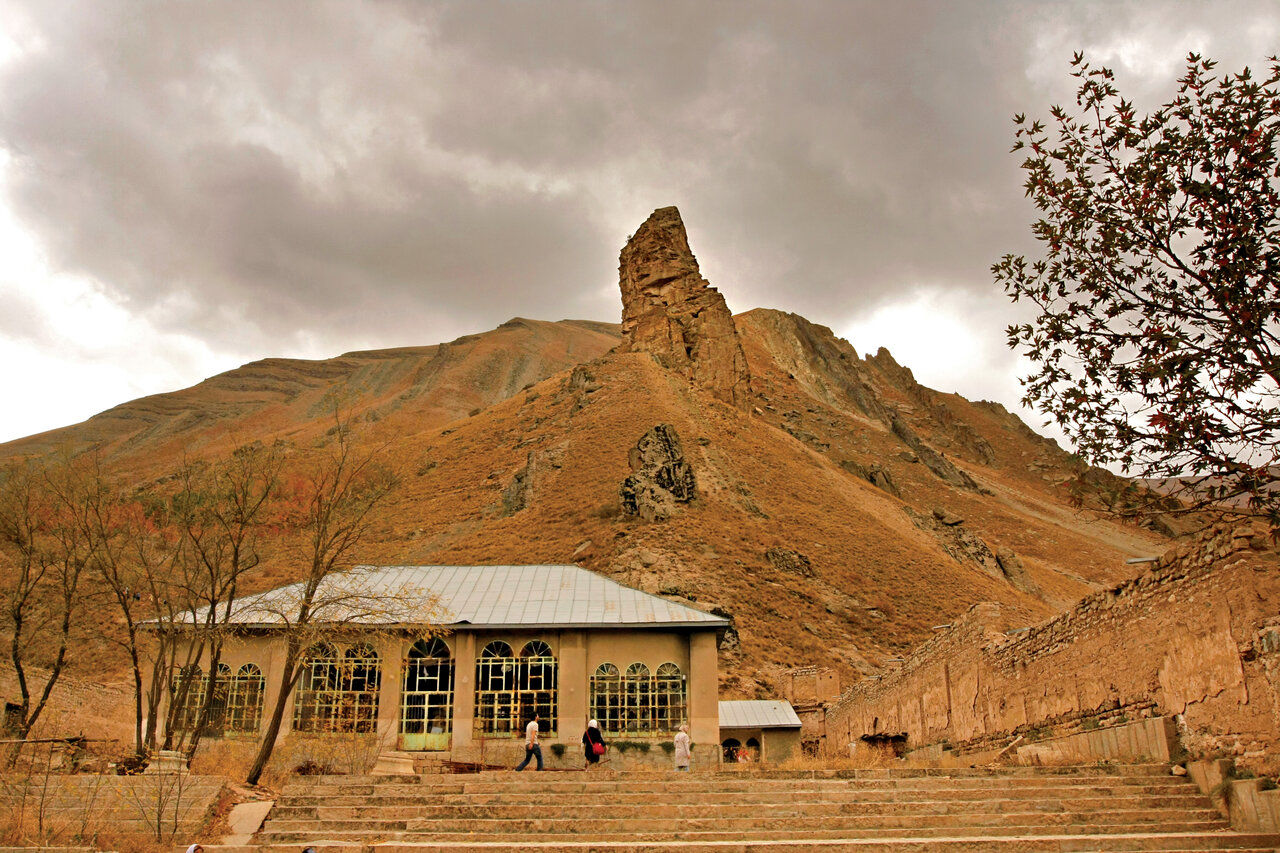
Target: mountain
{"x":419,"y":386}
{"x":755,"y":463}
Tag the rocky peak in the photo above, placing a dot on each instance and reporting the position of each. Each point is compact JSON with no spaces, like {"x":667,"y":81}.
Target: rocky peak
{"x":670,"y":311}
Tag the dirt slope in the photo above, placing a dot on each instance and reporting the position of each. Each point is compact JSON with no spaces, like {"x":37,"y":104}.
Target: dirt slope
{"x":838,"y":517}
{"x":425,"y":386}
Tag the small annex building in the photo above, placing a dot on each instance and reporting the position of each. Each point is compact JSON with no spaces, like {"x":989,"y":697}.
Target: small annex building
{"x":560,"y":640}
{"x":758,"y":730}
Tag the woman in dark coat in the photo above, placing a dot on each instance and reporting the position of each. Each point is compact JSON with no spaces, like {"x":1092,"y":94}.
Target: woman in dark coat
{"x":590,"y":738}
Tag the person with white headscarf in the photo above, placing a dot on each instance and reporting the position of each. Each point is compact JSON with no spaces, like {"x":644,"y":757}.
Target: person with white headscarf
{"x":195,"y":848}
{"x":593,"y":743}
{"x":683,"y":748}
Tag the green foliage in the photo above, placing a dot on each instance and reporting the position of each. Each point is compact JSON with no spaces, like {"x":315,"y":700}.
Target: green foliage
{"x":1158,"y":293}
{"x":557,"y":749}
{"x":1089,"y":723}
{"x":622,"y":746}
{"x":668,"y":747}
{"x":1267,"y":784}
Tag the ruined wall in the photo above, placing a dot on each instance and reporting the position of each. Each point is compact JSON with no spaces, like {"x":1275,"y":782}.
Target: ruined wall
{"x":1198,"y":636}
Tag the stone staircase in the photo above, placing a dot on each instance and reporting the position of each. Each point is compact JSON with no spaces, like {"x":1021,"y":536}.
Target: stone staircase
{"x":1012,"y":810}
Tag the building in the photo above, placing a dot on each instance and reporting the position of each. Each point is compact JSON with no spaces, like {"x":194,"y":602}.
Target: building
{"x":759,"y":730}
{"x":560,"y":641}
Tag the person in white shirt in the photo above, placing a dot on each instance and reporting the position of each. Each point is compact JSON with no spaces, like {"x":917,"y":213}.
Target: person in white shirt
{"x":531,"y":747}
{"x":684,"y":751}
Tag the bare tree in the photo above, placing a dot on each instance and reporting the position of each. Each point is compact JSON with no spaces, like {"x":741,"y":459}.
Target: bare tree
{"x":330,"y":505}
{"x":223,"y":509}
{"x":43,"y":556}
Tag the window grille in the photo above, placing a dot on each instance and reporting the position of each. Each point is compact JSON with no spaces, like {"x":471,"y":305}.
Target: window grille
{"x":639,"y":702}
{"x":426,"y":697}
{"x":338,"y":693}
{"x":606,"y":698}
{"x":244,"y":700}
{"x":510,"y":689}
{"x":187,"y":704}
{"x":235,"y":706}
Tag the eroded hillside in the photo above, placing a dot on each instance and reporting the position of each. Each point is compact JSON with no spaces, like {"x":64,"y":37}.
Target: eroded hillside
{"x":839,"y":510}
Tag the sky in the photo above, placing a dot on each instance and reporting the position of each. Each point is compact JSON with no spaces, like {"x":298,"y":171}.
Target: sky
{"x":187,"y":187}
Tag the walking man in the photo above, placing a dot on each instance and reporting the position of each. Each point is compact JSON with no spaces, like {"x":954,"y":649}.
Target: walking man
{"x":531,"y":747}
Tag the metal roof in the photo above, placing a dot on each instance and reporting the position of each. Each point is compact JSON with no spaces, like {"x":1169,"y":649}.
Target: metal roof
{"x":758,"y":714}
{"x":463,"y":597}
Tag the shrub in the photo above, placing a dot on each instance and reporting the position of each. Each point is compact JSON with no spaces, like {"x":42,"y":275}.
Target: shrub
{"x":557,"y":749}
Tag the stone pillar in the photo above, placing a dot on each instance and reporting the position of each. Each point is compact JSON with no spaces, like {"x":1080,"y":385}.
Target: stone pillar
{"x":573,"y":686}
{"x":704,"y":695}
{"x":392,"y":651}
{"x":464,"y":688}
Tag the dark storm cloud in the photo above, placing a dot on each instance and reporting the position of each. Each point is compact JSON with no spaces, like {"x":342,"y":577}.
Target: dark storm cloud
{"x":264,"y":173}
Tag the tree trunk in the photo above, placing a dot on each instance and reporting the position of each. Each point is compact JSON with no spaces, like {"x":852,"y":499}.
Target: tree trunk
{"x":277,"y":715}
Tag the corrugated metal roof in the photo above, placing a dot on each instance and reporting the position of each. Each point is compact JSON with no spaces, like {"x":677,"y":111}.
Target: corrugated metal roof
{"x":480,"y":596}
{"x":758,"y":714}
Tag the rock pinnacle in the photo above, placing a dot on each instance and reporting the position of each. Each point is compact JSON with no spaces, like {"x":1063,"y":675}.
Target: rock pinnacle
{"x":670,"y":311}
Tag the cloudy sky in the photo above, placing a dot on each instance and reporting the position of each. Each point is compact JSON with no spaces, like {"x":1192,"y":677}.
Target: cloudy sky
{"x":185,"y":187}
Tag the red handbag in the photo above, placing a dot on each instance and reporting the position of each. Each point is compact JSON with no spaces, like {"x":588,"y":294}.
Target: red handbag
{"x":597,"y":747}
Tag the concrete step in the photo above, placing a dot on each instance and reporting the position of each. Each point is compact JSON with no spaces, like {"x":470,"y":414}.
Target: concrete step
{"x":1192,"y":843}
{"x":1205,"y":819}
{"x":730,"y":781}
{"x":1165,"y":797}
{"x":730,"y":809}
{"x":1014,"y":810}
{"x":694,"y":831}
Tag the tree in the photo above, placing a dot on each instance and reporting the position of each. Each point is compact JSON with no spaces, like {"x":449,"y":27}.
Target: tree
{"x":221,"y":511}
{"x":330,"y":506}
{"x":1158,"y":293}
{"x":44,"y":553}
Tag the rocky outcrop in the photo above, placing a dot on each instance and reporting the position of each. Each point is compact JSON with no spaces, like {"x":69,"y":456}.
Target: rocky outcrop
{"x":660,"y":476}
{"x":789,"y":561}
{"x":670,"y":311}
{"x":933,"y":460}
{"x":875,"y":474}
{"x":1016,"y":573}
{"x":539,"y":465}
{"x":826,"y":366}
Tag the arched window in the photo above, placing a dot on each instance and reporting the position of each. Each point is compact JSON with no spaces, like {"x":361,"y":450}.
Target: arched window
{"x":670,"y":698}
{"x":217,"y":693}
{"x":244,"y":700}
{"x":338,"y":693}
{"x":187,"y":695}
{"x":510,"y":689}
{"x":637,"y":713}
{"x":638,"y":702}
{"x":426,"y":697}
{"x":538,"y":683}
{"x":606,"y":697}
{"x":732,"y":749}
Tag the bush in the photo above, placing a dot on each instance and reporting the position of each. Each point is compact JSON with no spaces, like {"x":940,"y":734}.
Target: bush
{"x":668,"y":747}
{"x":623,"y":745}
{"x":557,"y":749}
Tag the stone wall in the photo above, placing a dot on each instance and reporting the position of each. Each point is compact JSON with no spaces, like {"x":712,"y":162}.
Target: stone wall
{"x":1198,"y":637}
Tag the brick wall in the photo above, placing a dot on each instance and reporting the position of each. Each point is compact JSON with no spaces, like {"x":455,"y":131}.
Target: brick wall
{"x":1197,"y":636}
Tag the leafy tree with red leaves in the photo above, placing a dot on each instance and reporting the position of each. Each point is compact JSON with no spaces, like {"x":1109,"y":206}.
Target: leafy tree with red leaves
{"x":1157,"y":341}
